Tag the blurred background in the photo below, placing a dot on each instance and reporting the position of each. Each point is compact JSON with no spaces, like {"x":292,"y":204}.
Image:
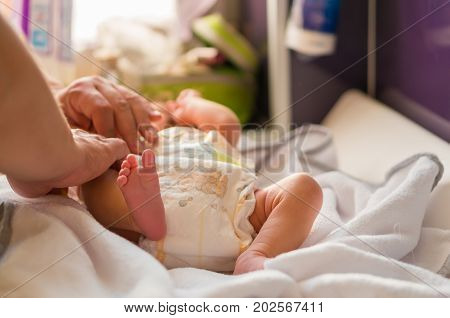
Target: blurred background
{"x":288,"y":61}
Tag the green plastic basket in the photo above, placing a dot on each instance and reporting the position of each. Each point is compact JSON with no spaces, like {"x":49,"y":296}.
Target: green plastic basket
{"x":232,"y":88}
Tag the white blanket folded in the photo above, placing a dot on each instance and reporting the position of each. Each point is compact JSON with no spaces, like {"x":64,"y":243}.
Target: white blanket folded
{"x":368,"y":241}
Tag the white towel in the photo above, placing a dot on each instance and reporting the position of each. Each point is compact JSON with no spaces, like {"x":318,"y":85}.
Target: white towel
{"x":362,"y":244}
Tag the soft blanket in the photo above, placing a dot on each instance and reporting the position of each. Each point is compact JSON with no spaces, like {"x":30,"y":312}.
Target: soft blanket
{"x":368,"y":241}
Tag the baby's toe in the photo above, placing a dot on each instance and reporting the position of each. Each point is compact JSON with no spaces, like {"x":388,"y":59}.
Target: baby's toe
{"x":125,"y":164}
{"x":132,"y":160}
{"x":148,"y":161}
{"x":121,"y":181}
{"x":124,"y":172}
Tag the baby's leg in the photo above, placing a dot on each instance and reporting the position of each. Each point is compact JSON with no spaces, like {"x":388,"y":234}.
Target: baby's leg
{"x":283,"y":218}
{"x":140,"y":188}
{"x":106,"y":203}
{"x":131,"y":205}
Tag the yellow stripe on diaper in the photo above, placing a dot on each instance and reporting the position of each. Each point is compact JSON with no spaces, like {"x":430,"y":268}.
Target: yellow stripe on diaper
{"x":243,"y":247}
{"x":160,"y":254}
{"x":219,"y":156}
{"x":216,"y":141}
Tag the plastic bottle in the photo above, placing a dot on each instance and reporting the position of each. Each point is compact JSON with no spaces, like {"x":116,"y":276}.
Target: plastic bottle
{"x":312,"y":26}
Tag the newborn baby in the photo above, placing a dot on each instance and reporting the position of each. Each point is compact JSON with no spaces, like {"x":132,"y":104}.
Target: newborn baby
{"x":204,"y":207}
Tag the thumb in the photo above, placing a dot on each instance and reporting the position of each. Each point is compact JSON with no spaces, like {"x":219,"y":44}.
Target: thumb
{"x":117,"y":148}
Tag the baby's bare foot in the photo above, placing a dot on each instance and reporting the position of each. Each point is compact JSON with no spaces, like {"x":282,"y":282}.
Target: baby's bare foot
{"x":140,"y":188}
{"x":249,"y":261}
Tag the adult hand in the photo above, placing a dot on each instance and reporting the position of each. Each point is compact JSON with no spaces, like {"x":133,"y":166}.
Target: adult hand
{"x":98,"y":154}
{"x":93,"y":155}
{"x":97,"y":105}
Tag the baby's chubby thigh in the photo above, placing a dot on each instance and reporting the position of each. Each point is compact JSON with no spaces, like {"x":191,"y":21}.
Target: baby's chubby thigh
{"x":105,"y":202}
{"x":297,"y":192}
{"x":283,"y":217}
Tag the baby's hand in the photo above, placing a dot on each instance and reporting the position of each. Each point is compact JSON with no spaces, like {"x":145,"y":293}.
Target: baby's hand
{"x":190,"y":109}
{"x":187,"y":94}
{"x":184,"y":108}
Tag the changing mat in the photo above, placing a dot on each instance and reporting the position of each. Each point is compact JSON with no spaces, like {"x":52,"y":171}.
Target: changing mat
{"x":365,"y":242}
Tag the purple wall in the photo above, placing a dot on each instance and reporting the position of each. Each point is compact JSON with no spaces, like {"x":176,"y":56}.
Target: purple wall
{"x":254,"y":22}
{"x":413,"y":69}
{"x":254,"y":27}
{"x":313,"y":103}
{"x":308,"y":75}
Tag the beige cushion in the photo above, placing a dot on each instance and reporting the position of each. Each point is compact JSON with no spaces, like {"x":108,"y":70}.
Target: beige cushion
{"x":370,"y":138}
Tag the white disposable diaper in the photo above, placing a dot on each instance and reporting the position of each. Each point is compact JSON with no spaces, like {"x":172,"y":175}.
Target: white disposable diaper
{"x":208,"y":194}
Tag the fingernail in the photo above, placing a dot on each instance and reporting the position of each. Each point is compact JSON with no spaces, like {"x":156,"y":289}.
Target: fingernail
{"x":134,"y":147}
{"x":150,"y":133}
{"x":149,"y":159}
{"x":142,"y":144}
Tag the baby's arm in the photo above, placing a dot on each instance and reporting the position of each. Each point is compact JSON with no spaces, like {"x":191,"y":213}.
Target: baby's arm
{"x":191,"y":109}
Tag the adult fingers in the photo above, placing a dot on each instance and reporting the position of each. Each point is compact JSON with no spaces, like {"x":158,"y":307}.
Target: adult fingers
{"x":123,"y":114}
{"x":152,"y":109}
{"x":101,"y":113}
{"x":99,"y":154}
{"x":150,"y":136}
{"x":83,"y":100}
{"x":144,"y":114}
{"x":117,"y":147}
{"x":119,"y":150}
{"x":76,"y":119}
{"x":143,"y":109}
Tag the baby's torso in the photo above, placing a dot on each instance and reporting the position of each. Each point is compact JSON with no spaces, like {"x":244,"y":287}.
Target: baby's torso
{"x":208,"y":196}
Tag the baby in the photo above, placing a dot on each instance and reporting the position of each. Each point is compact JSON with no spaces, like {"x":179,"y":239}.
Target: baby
{"x":204,"y":207}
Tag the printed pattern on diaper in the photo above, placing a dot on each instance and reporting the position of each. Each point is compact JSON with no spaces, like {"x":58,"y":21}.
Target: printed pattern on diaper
{"x":208,"y":196}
